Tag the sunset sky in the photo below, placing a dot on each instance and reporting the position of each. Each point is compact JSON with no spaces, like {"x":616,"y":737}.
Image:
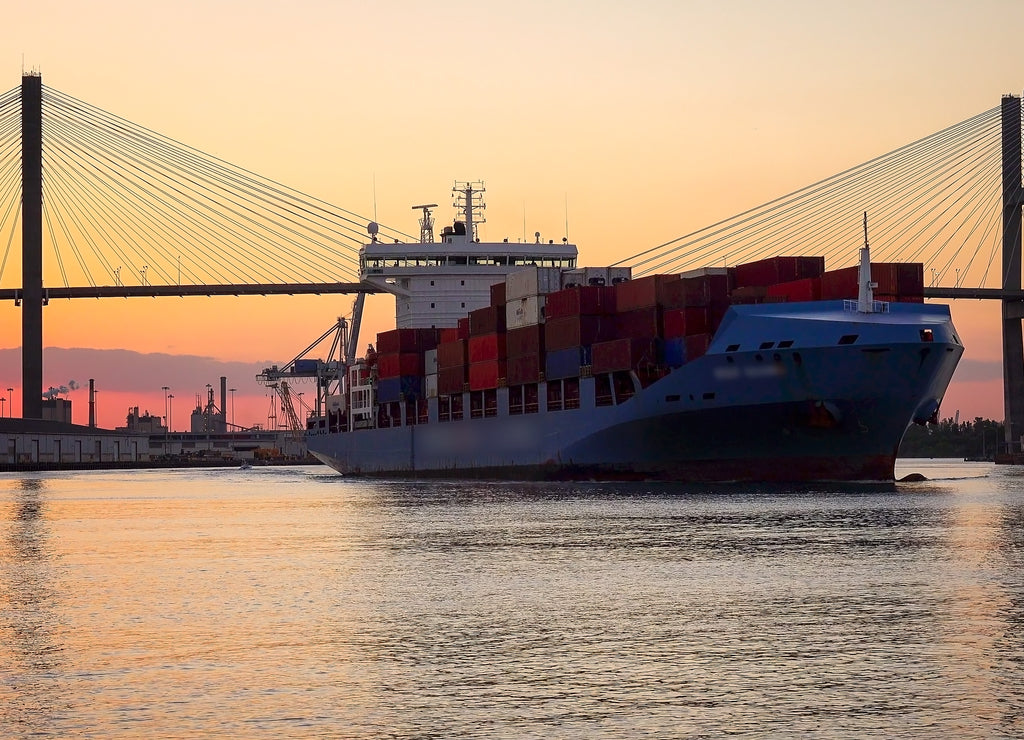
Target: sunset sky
{"x":636,"y":122}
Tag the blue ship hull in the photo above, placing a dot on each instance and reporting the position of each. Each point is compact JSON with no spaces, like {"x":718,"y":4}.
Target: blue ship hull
{"x":786,"y":392}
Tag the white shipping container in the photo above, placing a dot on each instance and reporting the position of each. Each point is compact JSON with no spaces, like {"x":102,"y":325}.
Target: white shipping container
{"x":430,"y":361}
{"x":336,"y":404}
{"x":526,"y":311}
{"x":704,"y":271}
{"x":532,"y":281}
{"x":431,"y":386}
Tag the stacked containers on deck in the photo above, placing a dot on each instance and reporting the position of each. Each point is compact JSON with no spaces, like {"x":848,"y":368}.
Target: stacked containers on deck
{"x":400,"y":363}
{"x":901,"y":282}
{"x":526,"y":293}
{"x":577,"y":318}
{"x":486,"y":348}
{"x":778,"y":279}
{"x":452,"y":352}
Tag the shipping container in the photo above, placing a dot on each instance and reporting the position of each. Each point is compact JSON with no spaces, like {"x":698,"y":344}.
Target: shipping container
{"x":303,"y":367}
{"x":486,"y":320}
{"x":673,"y":350}
{"x":403,"y":387}
{"x":486,"y":375}
{"x":796,"y":291}
{"x":642,"y":322}
{"x":525,"y":369}
{"x":487,"y":347}
{"x":773,"y":270}
{"x":452,"y":354}
{"x":701,"y":290}
{"x":910,"y":280}
{"x":406,"y":340}
{"x":430,"y":361}
{"x":749,"y":294}
{"x":451,"y":380}
{"x":565,"y":363}
{"x":528,"y":340}
{"x":395,"y":364}
{"x":696,"y":346}
{"x":463,"y":327}
{"x":586,"y":300}
{"x":532,"y":281}
{"x":528,"y":311}
{"x":628,"y":353}
{"x":448,"y":335}
{"x":575,"y":331}
{"x":678,"y":322}
{"x":836,"y":284}
{"x":498,"y":294}
{"x":642,"y":292}
{"x":430,"y":385}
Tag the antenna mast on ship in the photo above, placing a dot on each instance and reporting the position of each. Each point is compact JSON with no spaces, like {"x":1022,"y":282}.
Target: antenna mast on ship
{"x":865,"y":294}
{"x":469,"y":197}
{"x":426,"y":223}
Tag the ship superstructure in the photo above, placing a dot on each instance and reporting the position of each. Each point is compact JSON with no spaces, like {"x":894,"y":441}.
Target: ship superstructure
{"x":510,"y":361}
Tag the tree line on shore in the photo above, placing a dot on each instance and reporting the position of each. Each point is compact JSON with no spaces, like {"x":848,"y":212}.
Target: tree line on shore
{"x":977,"y":440}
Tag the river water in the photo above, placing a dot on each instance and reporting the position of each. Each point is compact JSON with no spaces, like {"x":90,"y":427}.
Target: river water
{"x":289,"y":602}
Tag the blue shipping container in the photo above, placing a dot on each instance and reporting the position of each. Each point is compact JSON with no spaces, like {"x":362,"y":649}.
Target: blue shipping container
{"x":402,"y":388}
{"x":565,"y":363}
{"x":675,"y":352}
{"x":304,"y":366}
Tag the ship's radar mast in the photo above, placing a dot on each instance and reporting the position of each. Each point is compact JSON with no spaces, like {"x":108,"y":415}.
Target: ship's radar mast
{"x":865,"y":294}
{"x":426,"y":223}
{"x":469,"y":198}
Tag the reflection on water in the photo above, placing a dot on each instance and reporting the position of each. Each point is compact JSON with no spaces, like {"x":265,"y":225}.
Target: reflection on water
{"x":27,"y":612}
{"x":294,"y":603}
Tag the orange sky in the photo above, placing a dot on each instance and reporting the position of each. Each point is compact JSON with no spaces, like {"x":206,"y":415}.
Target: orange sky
{"x":649,"y":119}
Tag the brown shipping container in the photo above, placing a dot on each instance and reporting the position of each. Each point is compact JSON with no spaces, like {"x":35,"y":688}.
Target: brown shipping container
{"x":836,"y":284}
{"x":589,"y":300}
{"x":451,"y":354}
{"x":485,"y":375}
{"x":486,"y":320}
{"x":448,"y":335}
{"x":524,"y":369}
{"x":464,"y":328}
{"x":910,"y":280}
{"x":778,"y":270}
{"x":808,"y":289}
{"x":624,"y":354}
{"x":394,"y":364}
{"x":578,"y":331}
{"x":696,"y":346}
{"x":498,"y":294}
{"x":679,"y":322}
{"x":451,"y":380}
{"x":749,"y":294}
{"x":486,"y":347}
{"x":528,"y":340}
{"x":643,"y":322}
{"x":642,"y":292}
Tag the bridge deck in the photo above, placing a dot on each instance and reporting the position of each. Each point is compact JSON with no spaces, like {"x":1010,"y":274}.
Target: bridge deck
{"x":160,"y":291}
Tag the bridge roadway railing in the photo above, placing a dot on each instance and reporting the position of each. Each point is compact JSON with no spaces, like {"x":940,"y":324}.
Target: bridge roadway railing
{"x":160,"y":291}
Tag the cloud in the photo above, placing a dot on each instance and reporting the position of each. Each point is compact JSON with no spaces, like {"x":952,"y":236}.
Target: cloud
{"x":978,"y":371}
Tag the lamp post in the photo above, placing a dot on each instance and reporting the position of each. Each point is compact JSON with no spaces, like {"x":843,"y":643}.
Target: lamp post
{"x":2,"y":402}
{"x":170,"y":412}
{"x":10,"y":407}
{"x":165,"y":388}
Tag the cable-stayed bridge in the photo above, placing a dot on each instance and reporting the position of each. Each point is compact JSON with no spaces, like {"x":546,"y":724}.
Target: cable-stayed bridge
{"x":119,"y":210}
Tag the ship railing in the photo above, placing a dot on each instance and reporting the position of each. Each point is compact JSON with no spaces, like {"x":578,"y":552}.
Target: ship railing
{"x":853,"y":306}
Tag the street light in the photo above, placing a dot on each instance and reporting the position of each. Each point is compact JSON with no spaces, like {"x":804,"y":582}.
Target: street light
{"x":165,"y":388}
{"x":170,"y":412}
{"x":10,"y":405}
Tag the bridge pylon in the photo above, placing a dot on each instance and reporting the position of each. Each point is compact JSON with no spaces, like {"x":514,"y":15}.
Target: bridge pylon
{"x":1013,"y":344}
{"x":32,"y":246}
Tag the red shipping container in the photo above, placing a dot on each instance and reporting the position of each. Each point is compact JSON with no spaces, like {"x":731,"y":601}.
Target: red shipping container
{"x":578,"y":331}
{"x":527,"y":340}
{"x":836,"y":284}
{"x":451,"y":354}
{"x":589,"y":300}
{"x":485,"y":375}
{"x":448,"y":335}
{"x":486,"y":320}
{"x":696,"y":346}
{"x":679,"y":322}
{"x":642,"y":292}
{"x":808,"y":289}
{"x":773,"y":270}
{"x":749,"y":294}
{"x":395,"y":364}
{"x":451,"y":380}
{"x":464,"y":328}
{"x":910,"y":279}
{"x":487,"y":347}
{"x":624,"y":354}
{"x":498,"y":294}
{"x":524,"y":369}
{"x":405,"y":340}
{"x":643,"y":322}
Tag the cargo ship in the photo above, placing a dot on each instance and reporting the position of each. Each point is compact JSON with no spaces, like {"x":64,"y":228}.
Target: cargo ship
{"x":510,"y":361}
